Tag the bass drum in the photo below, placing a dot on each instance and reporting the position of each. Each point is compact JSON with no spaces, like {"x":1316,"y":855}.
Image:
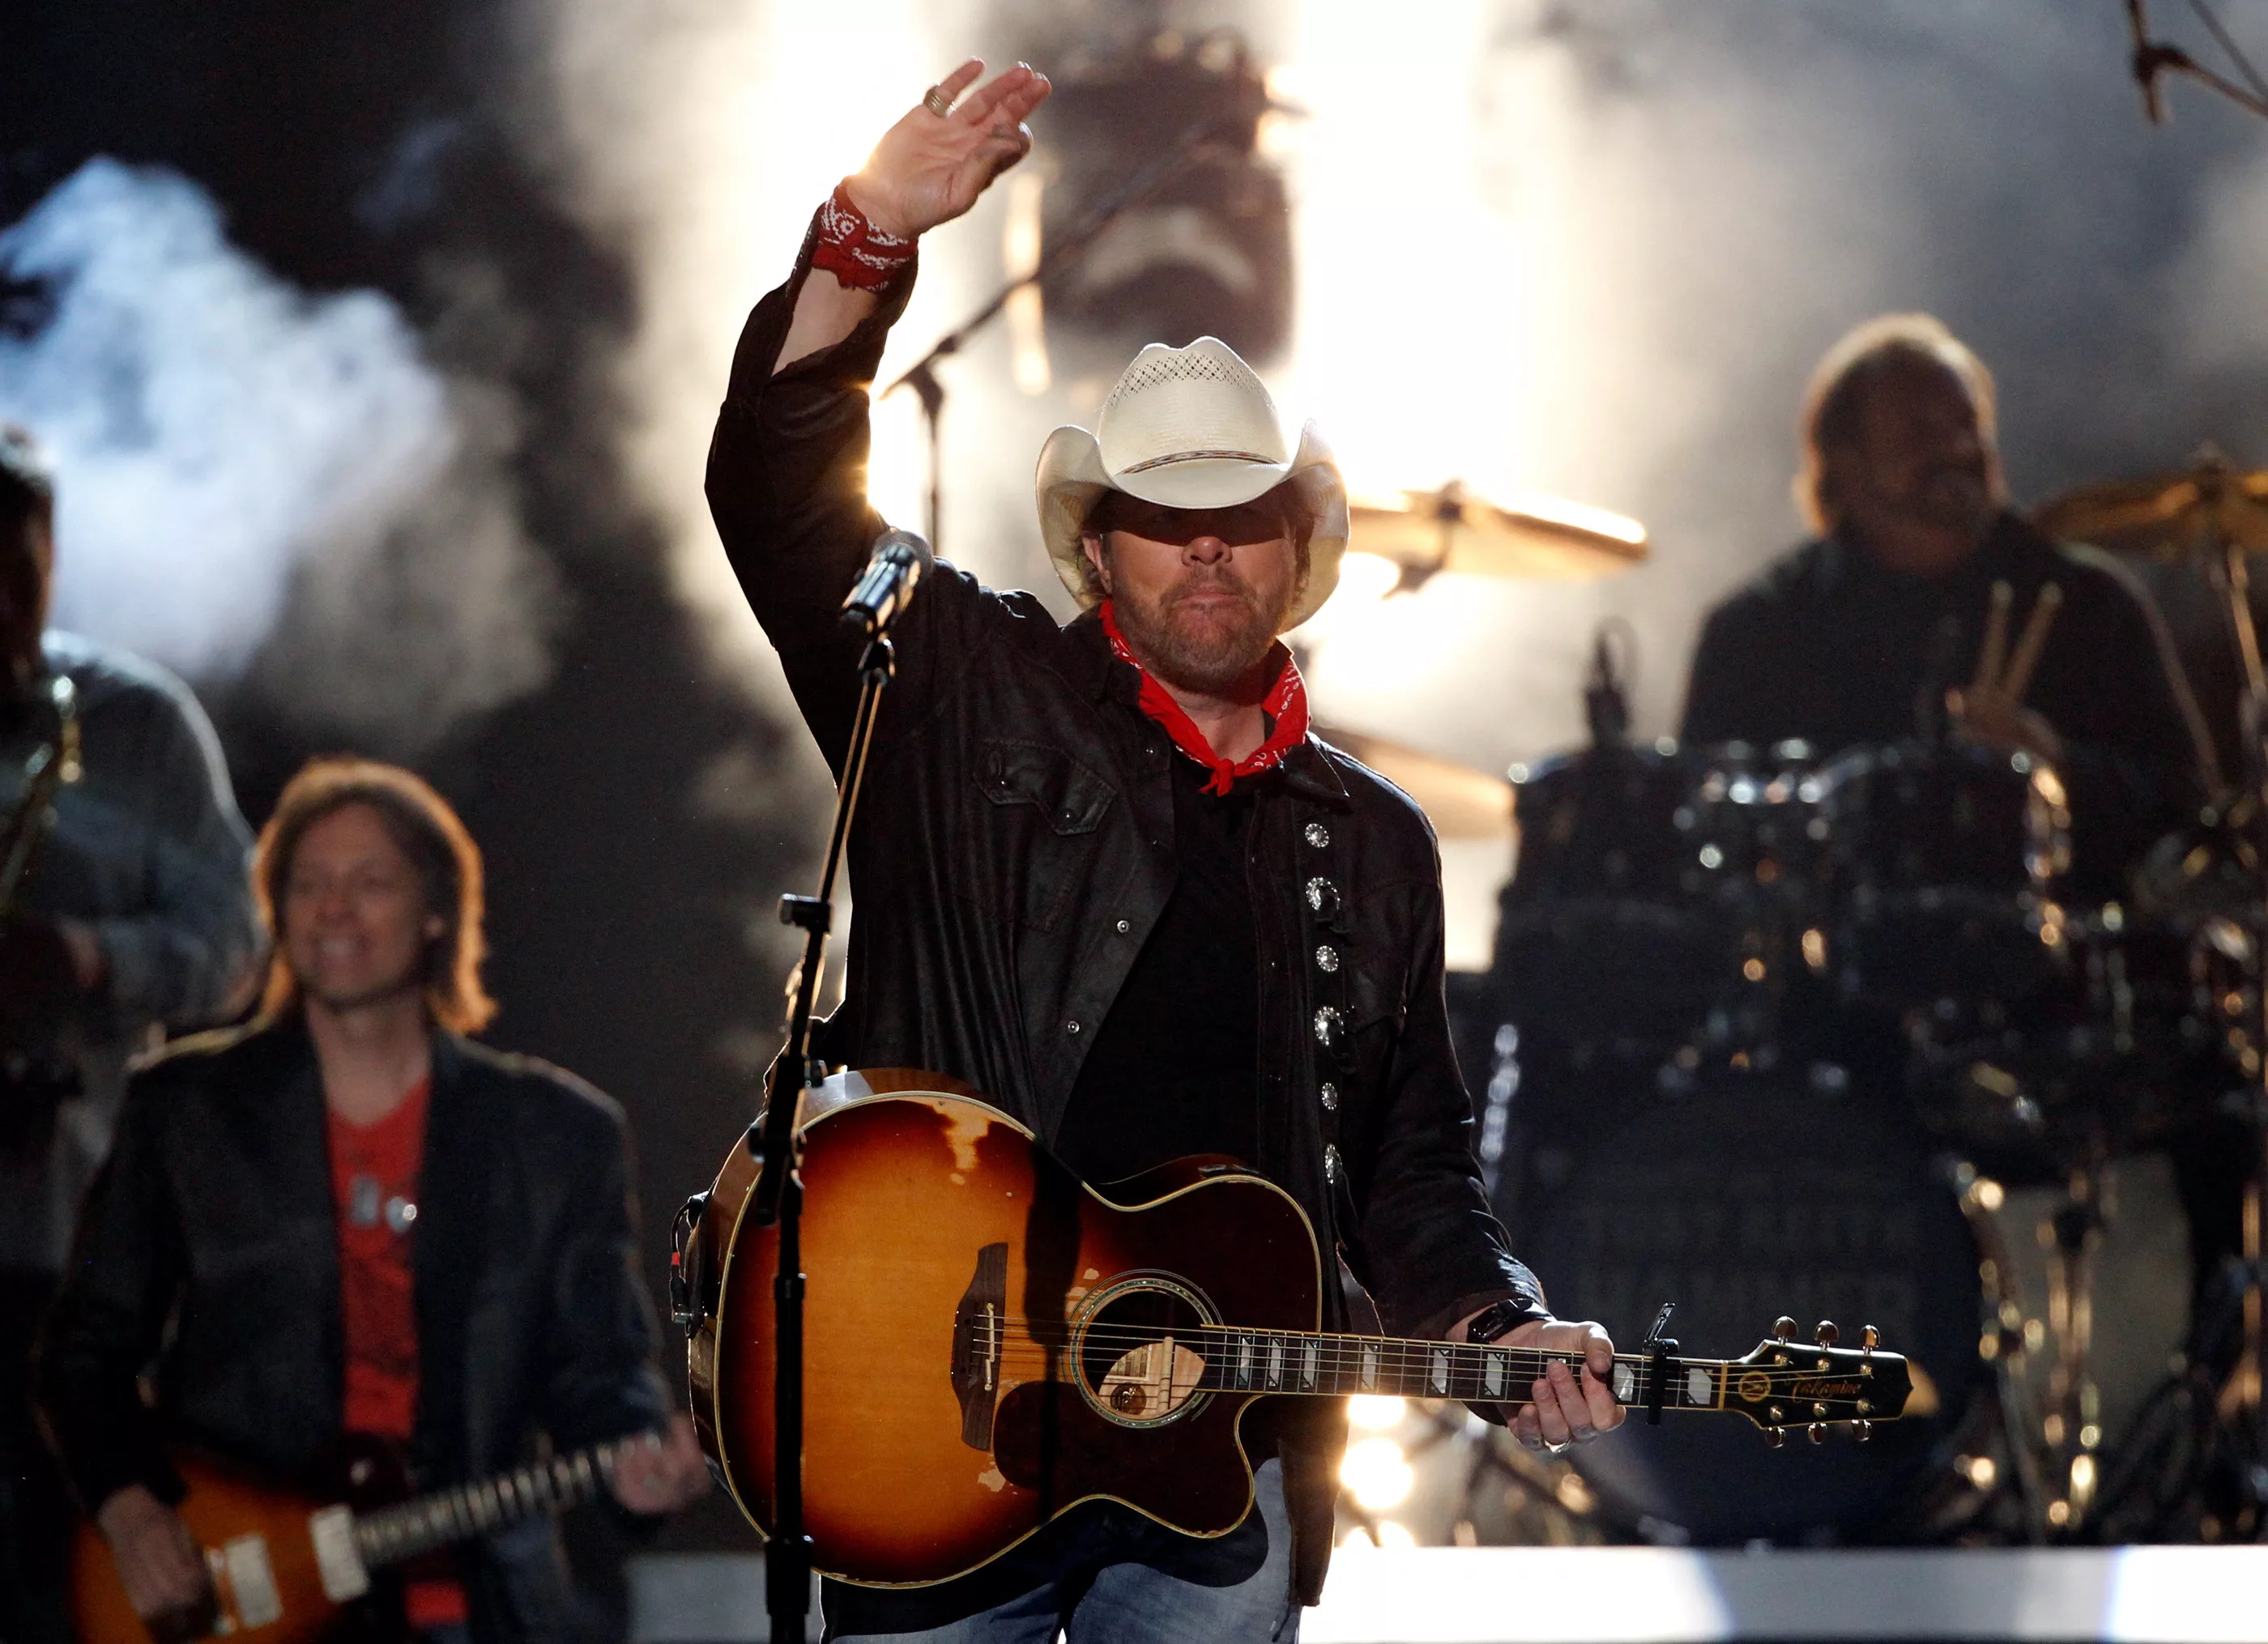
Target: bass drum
{"x":1742,"y":1200}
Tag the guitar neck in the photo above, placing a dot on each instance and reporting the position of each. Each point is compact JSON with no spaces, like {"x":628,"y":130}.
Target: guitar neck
{"x":1291,"y":1362}
{"x":388,"y":1535}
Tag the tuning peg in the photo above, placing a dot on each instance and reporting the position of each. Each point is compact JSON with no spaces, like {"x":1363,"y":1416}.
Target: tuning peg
{"x":1862,"y":1430}
{"x":1784,"y":1327}
{"x":1828,"y":1333}
{"x":1774,"y":1437}
{"x":1869,"y":1337}
{"x":1818,"y":1431}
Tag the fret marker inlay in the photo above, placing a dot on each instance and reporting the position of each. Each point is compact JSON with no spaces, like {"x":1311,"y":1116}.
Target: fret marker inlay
{"x":1440,"y":1370}
{"x":1370,"y":1367}
{"x":1493,"y":1380}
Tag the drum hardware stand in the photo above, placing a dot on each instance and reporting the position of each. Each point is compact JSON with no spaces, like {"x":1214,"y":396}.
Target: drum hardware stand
{"x":2243,"y":1403}
{"x":772,"y":1138}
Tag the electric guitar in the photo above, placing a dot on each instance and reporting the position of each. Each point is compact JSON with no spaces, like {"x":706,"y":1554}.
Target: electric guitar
{"x":289,"y":1565}
{"x":988,"y":1342}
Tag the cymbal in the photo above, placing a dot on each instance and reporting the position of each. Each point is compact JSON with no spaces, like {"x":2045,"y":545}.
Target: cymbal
{"x":2168,"y":516}
{"x":1462,"y":802}
{"x":1453,"y":530}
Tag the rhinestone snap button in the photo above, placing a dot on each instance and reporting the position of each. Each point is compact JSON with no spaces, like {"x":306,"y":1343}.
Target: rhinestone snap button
{"x":1317,"y":834}
{"x":1330,"y":1095}
{"x":1327,"y":959}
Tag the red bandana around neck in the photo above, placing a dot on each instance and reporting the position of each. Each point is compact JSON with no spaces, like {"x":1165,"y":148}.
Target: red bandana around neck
{"x":1285,"y":706}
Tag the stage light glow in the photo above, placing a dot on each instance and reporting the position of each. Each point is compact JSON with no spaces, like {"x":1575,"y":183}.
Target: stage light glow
{"x":1377,"y":1473}
{"x":1437,"y":392}
{"x":1392,"y":1535}
{"x":1019,"y":258}
{"x":1376,"y":1414}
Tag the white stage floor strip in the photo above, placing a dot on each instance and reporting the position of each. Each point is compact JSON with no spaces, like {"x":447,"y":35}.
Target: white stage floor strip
{"x":1626,"y":1594}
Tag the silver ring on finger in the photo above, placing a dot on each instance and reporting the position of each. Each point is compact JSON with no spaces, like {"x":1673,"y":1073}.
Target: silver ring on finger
{"x":1549,"y":1448}
{"x":937,"y":102}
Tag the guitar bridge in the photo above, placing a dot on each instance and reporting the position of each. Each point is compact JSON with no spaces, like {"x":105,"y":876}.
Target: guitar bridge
{"x":979,"y":1326}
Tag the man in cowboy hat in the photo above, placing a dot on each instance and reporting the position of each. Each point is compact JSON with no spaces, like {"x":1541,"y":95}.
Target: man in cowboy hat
{"x":1107,"y":875}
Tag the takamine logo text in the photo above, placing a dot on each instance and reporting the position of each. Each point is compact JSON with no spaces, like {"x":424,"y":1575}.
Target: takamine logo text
{"x":1826,"y":1389}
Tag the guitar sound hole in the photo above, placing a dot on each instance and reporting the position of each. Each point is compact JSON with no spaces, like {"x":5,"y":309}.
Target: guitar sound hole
{"x":1141,"y":1352}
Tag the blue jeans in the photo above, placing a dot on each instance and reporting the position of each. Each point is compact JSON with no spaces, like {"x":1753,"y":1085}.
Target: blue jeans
{"x":1101,"y":1574}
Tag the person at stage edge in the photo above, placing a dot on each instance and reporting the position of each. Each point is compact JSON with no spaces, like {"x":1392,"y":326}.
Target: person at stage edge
{"x":350,"y":1218}
{"x":1872,"y":633}
{"x":131,"y":918}
{"x":1107,"y":875}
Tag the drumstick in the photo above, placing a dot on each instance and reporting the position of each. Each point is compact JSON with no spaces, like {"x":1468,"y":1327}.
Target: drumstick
{"x":2018,"y":677}
{"x":1995,"y":639}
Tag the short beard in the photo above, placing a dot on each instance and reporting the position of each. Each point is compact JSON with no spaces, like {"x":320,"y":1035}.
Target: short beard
{"x":1213,"y":663}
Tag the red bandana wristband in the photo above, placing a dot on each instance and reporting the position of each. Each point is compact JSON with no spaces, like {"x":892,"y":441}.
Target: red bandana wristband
{"x":1285,"y":706}
{"x":853,"y":250}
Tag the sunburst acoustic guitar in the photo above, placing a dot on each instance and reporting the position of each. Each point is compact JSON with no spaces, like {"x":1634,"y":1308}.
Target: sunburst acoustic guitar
{"x":989,"y":1341}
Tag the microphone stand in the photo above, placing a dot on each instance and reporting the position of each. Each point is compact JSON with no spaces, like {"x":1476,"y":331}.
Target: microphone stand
{"x":2154,"y":57}
{"x":778,"y":1195}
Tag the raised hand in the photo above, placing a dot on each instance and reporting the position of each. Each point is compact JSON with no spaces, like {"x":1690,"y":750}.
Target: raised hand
{"x":1992,"y":712}
{"x":929,"y":168}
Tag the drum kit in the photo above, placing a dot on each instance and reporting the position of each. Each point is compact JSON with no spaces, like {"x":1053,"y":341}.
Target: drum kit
{"x":1866,"y":978}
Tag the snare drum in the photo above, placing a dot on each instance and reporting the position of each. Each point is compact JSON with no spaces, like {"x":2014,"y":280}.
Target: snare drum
{"x":1945,"y":862}
{"x":1607,"y":942}
{"x":1647,"y":912}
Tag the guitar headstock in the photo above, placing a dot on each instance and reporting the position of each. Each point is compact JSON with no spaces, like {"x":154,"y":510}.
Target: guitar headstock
{"x":1789,"y":1383}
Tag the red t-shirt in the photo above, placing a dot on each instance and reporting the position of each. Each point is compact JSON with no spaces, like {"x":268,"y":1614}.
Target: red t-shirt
{"x":374,"y":1170}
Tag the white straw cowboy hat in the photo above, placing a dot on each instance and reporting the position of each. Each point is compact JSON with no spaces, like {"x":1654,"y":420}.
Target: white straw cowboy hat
{"x":1189,"y":427}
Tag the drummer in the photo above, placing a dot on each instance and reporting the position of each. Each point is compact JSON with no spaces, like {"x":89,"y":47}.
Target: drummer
{"x":1873,"y":632}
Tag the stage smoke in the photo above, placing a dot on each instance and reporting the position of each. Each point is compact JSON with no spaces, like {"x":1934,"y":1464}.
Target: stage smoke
{"x":230,"y":448}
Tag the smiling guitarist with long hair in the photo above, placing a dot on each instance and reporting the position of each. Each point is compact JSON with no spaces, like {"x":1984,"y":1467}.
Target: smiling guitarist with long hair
{"x":351,"y":1220}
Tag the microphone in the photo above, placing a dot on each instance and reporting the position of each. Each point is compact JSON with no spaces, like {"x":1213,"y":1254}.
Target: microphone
{"x":1606,"y":700}
{"x":893,"y":570}
{"x":2148,"y":61}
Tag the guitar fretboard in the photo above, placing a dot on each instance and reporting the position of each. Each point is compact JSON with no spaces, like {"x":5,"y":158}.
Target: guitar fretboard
{"x":1271,"y":1361}
{"x":391,"y":1534}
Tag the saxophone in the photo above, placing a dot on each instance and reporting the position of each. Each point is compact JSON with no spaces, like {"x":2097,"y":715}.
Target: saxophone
{"x":36,"y":1077}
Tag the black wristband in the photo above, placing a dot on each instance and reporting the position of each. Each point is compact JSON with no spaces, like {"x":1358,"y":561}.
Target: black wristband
{"x":1498,"y":1318}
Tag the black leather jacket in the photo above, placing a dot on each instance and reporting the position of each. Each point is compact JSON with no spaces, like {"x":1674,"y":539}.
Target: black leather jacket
{"x":213,"y":1219}
{"x":1014,"y":847}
